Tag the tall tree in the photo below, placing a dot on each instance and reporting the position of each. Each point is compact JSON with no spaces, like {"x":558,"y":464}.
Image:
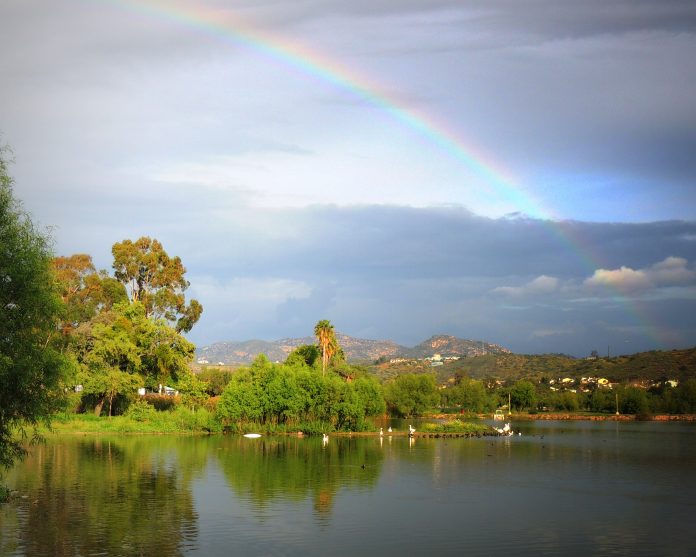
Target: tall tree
{"x":83,"y":290}
{"x":156,"y":280}
{"x":324,"y":331}
{"x":30,"y":367}
{"x":121,"y":349}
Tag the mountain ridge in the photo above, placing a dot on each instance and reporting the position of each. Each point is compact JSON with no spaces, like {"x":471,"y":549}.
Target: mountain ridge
{"x":356,"y":349}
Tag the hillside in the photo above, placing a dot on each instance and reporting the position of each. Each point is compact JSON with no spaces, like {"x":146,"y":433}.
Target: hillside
{"x":446,"y":345}
{"x":654,"y":365}
{"x":356,"y":349}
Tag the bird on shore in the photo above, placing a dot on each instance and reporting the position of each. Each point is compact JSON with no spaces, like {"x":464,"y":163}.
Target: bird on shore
{"x":411,"y":429}
{"x":381,"y":432}
{"x":389,"y":429}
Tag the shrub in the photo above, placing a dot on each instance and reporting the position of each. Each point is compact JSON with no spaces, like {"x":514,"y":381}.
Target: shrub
{"x":141,"y":411}
{"x":161,"y":402}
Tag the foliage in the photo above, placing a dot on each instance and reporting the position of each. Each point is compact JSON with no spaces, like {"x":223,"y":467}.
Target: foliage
{"x":160,"y":402}
{"x":141,"y":411}
{"x":308,"y":354}
{"x":84,"y":291}
{"x":192,"y":389}
{"x":523,"y":395}
{"x":273,"y":395}
{"x":411,"y":394}
{"x":215,"y":380}
{"x":121,"y":349}
{"x":468,"y":394}
{"x":455,"y":426}
{"x":156,"y":280}
{"x":30,"y":365}
{"x":139,"y":419}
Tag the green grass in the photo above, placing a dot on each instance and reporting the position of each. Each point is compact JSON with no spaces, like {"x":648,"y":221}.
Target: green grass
{"x":181,"y":420}
{"x":455,"y":426}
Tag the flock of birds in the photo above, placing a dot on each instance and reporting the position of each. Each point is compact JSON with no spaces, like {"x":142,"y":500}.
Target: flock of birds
{"x":411,"y":430}
{"x":506,"y":430}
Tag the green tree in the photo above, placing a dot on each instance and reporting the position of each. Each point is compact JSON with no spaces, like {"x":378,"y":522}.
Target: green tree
{"x":192,"y":389}
{"x":306,"y":354}
{"x":633,"y":400}
{"x":123,"y":342}
{"x":324,"y":331}
{"x":523,"y":395}
{"x":411,"y":394}
{"x":469,"y":394}
{"x":215,"y":380}
{"x":156,"y":280}
{"x":30,"y":366}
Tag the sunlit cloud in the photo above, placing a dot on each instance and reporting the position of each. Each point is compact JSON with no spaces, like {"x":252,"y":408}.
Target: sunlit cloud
{"x":541,"y":285}
{"x":672,"y":271}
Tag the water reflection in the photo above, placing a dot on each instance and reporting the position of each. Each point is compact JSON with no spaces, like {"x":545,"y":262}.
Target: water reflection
{"x":95,"y":496}
{"x":571,"y":488}
{"x":279,"y":468}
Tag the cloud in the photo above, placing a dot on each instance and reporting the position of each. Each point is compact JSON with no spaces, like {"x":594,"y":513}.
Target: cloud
{"x":672,"y":271}
{"x":624,"y":279}
{"x":541,"y":285}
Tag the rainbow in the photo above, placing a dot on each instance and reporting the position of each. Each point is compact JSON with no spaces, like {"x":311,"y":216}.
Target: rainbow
{"x":225,"y":26}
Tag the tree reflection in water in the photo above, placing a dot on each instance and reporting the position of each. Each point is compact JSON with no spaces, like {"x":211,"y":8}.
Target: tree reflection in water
{"x":88,"y":496}
{"x":286,"y":468}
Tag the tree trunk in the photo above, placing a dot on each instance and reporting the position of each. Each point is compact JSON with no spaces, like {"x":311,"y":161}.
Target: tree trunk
{"x":98,"y":407}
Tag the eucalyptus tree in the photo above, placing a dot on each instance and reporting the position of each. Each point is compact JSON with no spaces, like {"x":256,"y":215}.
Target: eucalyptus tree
{"x":84,"y":291}
{"x":155,"y":280}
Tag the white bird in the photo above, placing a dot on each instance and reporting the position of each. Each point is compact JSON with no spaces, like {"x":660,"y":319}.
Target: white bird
{"x":411,"y":431}
{"x":325,"y":438}
{"x":389,"y":429}
{"x":381,"y":432}
{"x":506,"y":428}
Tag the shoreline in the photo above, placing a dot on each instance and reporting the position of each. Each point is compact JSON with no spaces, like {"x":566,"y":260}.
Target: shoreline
{"x":569,"y":416}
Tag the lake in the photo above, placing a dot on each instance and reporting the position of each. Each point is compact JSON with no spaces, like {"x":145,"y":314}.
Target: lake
{"x":570,"y":488}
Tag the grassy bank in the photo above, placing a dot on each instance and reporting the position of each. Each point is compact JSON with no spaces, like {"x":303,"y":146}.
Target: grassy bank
{"x":456,"y":426}
{"x":178,"y":421}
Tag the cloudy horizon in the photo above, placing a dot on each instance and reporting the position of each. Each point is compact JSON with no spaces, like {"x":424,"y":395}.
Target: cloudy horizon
{"x":514,"y":172}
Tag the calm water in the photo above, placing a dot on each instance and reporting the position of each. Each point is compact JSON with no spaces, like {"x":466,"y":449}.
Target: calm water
{"x":570,"y":488}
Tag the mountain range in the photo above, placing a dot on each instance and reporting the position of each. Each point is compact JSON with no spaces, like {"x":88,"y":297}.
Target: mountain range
{"x":356,"y":349}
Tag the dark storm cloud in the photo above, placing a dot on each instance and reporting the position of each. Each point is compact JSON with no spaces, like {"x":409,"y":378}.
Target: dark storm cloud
{"x":406,"y":273}
{"x":450,"y":242}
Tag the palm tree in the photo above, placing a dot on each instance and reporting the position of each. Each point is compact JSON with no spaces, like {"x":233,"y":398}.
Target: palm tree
{"x":324,"y":332}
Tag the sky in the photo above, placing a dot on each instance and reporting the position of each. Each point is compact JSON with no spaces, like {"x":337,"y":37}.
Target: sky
{"x":519,"y":172}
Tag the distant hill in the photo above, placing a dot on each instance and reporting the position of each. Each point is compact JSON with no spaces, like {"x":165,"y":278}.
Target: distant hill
{"x":446,"y":345}
{"x":654,"y":365}
{"x":356,"y":349}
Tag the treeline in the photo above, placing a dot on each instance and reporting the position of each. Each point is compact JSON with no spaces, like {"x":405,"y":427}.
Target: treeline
{"x":473,"y":396}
